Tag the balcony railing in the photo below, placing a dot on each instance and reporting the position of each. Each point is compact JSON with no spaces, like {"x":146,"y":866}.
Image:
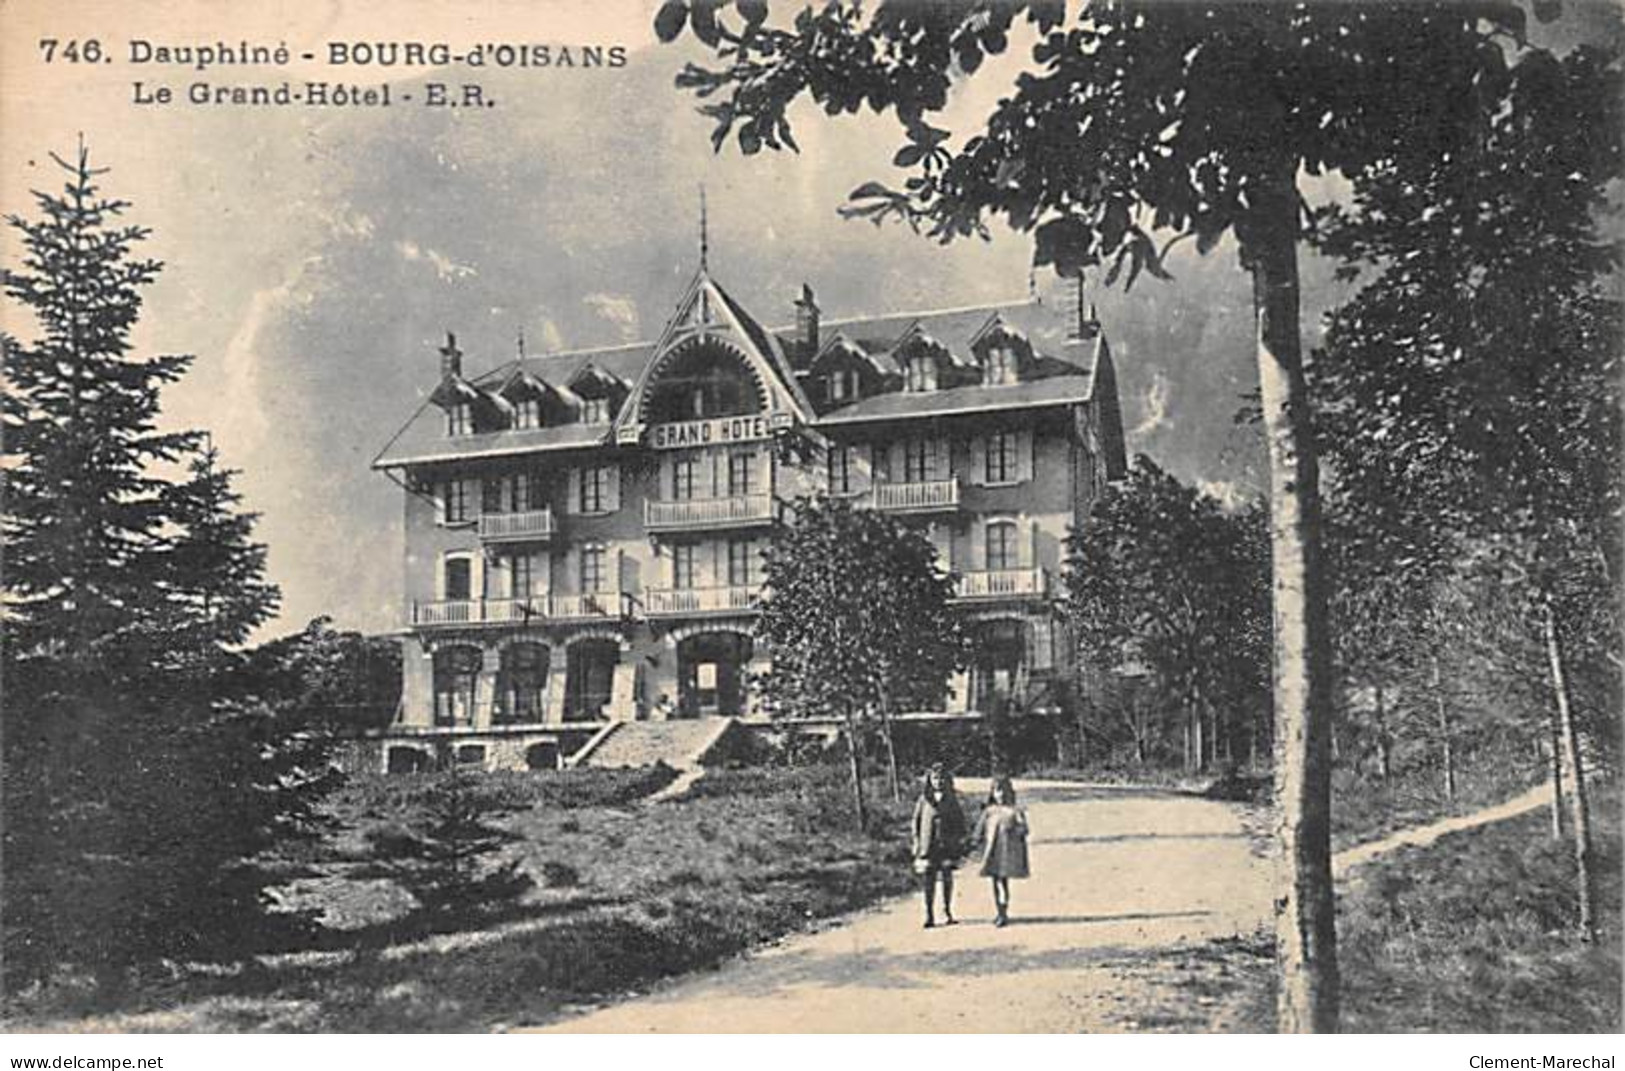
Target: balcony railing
{"x":917,"y":497}
{"x":672,"y":602}
{"x":1003,"y":584}
{"x":536,"y":609}
{"x":663,"y":514}
{"x":588,"y":605}
{"x":531,"y":524}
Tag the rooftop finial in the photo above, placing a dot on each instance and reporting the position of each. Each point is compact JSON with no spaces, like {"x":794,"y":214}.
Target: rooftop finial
{"x":705,"y":235}
{"x":521,"y":340}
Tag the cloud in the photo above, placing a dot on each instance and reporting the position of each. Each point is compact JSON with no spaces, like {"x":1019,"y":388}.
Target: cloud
{"x":243,"y":410}
{"x":618,"y":309}
{"x":443,"y":265}
{"x":1156,"y":407}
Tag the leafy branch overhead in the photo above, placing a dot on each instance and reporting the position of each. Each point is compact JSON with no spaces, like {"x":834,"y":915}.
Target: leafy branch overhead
{"x":1132,"y":126}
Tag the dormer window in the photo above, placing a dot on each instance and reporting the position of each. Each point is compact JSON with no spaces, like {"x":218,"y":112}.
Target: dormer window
{"x":527,"y":413}
{"x":1001,"y":367}
{"x":460,"y":419}
{"x":921,"y":374}
{"x":843,"y":385}
{"x":595,"y":411}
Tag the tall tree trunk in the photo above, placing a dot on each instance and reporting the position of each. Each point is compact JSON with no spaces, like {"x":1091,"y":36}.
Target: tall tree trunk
{"x":1384,"y":744}
{"x":1447,"y":751}
{"x":1554,"y":749}
{"x":855,"y":765}
{"x":1306,"y":934}
{"x":891,"y":748}
{"x":1197,"y":736}
{"x":1580,"y":813}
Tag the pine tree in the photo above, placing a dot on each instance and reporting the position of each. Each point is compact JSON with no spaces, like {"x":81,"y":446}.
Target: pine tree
{"x":134,"y":785}
{"x":445,"y":861}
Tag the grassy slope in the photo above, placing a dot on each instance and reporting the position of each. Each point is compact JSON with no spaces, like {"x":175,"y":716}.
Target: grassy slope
{"x":632,"y":892}
{"x":1473,"y":934}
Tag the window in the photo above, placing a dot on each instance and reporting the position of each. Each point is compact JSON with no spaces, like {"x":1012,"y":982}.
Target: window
{"x":684,"y":472}
{"x":521,"y":692}
{"x":456,"y":669}
{"x":527,"y":492}
{"x":682,"y":566}
{"x":921,"y":374}
{"x":743,"y":563}
{"x":594,"y":577}
{"x":840,"y":470}
{"x":1001,"y":367}
{"x":594,"y":485}
{"x":491,"y":496}
{"x":741,"y":468}
{"x":595,"y":411}
{"x":522,"y":570}
{"x":528,"y":413}
{"x":459,"y":579}
{"x":1001,"y":457}
{"x":1002,"y":552}
{"x":843,"y":385}
{"x":460,"y":419}
{"x":917,"y":458}
{"x":455,"y":496}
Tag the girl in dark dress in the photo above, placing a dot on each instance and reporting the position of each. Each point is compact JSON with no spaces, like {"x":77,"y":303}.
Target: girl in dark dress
{"x":938,"y":842}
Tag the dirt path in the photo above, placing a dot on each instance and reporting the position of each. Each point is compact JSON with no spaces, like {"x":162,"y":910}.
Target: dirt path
{"x":1421,"y":836}
{"x":1117,"y":874}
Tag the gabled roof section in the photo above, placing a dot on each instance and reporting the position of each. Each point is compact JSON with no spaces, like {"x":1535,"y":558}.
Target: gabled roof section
{"x":707,"y":310}
{"x":591,"y":381}
{"x":455,"y":389}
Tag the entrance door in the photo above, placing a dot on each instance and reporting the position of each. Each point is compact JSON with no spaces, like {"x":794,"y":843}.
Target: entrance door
{"x":711,"y":674}
{"x":1000,"y":652}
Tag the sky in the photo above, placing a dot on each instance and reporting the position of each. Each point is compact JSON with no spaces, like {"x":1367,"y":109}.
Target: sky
{"x":315,"y":258}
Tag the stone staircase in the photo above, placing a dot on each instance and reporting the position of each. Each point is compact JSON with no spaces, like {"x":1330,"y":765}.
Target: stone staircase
{"x":681,"y":744}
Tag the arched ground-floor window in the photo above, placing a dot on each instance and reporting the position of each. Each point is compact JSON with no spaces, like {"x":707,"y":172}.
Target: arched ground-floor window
{"x":589,"y":678}
{"x":521,"y":695}
{"x":456,"y":672}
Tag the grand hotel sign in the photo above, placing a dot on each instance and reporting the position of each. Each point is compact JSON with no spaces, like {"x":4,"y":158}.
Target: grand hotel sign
{"x":718,"y":431}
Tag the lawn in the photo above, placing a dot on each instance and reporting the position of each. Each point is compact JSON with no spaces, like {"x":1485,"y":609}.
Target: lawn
{"x":628,"y":892}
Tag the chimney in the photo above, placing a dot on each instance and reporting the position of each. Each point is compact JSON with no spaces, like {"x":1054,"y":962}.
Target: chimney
{"x":807,"y":319}
{"x":451,"y":359}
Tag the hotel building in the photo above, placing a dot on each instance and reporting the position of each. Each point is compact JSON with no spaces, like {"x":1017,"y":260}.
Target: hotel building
{"x":584,"y":529}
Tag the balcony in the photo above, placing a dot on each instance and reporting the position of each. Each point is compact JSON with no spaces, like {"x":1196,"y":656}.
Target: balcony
{"x":993,"y":584}
{"x":683,"y":602}
{"x":538,"y":609}
{"x":923,"y":497}
{"x":731,"y":512}
{"x":516,"y":527}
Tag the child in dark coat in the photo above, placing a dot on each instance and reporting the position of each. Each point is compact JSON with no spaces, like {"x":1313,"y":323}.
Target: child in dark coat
{"x":938,"y":836}
{"x":1002,"y":832}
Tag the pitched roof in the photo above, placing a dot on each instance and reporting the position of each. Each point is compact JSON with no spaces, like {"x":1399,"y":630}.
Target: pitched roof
{"x":1056,"y":390}
{"x":1055,"y":379}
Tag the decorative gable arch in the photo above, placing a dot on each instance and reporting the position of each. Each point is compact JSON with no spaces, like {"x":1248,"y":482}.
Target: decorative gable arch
{"x":695,"y":346}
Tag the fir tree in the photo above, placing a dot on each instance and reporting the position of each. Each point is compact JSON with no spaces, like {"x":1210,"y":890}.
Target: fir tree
{"x":136,"y":789}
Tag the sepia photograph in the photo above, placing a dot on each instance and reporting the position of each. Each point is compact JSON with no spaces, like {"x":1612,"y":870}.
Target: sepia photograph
{"x":741,"y":517}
